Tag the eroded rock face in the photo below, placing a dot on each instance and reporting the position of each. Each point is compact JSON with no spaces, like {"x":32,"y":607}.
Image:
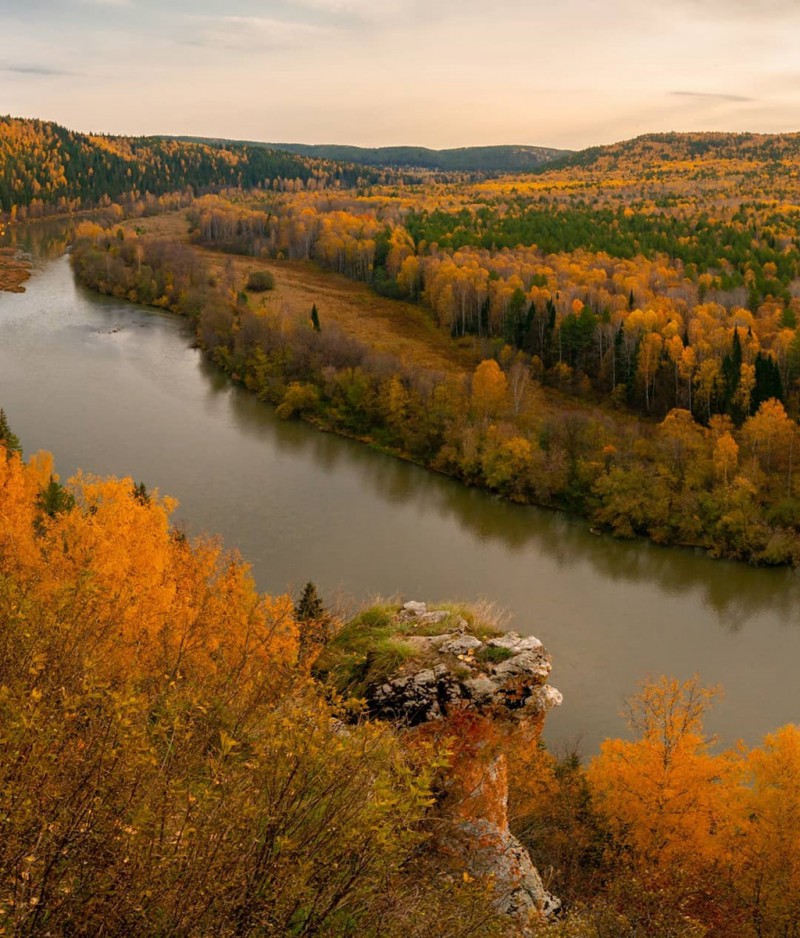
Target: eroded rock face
{"x":486,"y":694}
{"x":497,"y":853}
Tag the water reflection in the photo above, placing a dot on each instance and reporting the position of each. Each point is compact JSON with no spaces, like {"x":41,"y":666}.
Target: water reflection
{"x":46,"y":240}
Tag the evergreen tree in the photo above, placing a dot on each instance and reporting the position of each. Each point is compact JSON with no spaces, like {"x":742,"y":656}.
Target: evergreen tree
{"x":55,"y":499}
{"x":140,"y":493}
{"x":619,"y":369}
{"x":309,"y":608}
{"x":8,"y":438}
{"x":731,"y":377}
{"x":516,"y":318}
{"x":768,"y":382}
{"x":550,"y":350}
{"x":315,"y":623}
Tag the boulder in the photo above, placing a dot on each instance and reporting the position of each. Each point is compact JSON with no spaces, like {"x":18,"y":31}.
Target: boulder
{"x":412,"y":608}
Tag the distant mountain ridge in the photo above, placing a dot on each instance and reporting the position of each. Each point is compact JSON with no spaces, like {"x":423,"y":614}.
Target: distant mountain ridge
{"x":513,"y":158}
{"x":45,"y":167}
{"x":691,"y":146}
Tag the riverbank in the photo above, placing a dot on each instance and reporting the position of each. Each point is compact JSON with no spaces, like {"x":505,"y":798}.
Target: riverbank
{"x":731,"y":491}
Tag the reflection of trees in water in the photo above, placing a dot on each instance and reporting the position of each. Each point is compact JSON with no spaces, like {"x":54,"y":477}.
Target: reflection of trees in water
{"x":49,"y":239}
{"x":40,"y":241}
{"x":734,"y":591}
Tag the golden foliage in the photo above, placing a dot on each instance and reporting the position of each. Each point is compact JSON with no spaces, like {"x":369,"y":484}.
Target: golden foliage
{"x":166,"y":764}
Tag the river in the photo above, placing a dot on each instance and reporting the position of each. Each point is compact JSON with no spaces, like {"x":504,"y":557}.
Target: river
{"x":118,"y":389}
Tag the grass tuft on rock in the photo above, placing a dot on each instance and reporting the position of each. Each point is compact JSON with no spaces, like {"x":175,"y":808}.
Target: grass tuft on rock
{"x":494,"y":654}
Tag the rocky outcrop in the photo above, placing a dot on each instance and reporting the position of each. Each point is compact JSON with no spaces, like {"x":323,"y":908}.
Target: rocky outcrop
{"x":486,"y":691}
{"x":503,"y":671}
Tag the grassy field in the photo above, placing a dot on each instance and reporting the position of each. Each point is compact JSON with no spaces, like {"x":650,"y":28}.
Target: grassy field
{"x":406,"y":330}
{"x":388,"y":326}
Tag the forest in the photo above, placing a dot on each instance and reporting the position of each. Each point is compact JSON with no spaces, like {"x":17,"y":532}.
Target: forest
{"x":46,"y":169}
{"x":492,"y":159}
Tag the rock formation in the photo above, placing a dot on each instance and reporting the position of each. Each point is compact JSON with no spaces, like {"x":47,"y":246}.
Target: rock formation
{"x":482,"y":694}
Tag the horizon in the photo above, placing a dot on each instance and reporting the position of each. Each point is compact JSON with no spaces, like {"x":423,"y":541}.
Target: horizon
{"x":443,"y":76}
{"x":389,"y":146}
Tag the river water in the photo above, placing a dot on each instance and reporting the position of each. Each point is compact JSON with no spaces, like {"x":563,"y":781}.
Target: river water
{"x":118,"y":389}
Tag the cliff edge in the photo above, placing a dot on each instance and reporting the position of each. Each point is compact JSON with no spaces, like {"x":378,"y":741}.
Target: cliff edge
{"x":442,"y":674}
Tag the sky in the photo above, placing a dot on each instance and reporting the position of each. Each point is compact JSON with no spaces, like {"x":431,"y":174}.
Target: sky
{"x":437,"y":73}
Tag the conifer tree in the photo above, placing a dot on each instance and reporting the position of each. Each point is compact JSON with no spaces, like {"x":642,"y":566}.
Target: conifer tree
{"x":309,"y":607}
{"x":8,"y":438}
{"x":140,"y":493}
{"x":315,"y":623}
{"x":54,"y":500}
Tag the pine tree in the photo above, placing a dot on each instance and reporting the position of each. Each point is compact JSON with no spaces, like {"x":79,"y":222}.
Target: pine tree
{"x":8,"y":438}
{"x":55,"y":499}
{"x":731,"y":377}
{"x":768,"y":382}
{"x":309,"y":607}
{"x":315,"y":623}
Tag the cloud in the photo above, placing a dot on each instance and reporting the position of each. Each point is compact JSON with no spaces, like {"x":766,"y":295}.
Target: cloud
{"x":758,"y":10}
{"x":252,"y":33}
{"x":338,"y":6}
{"x":34,"y":70}
{"x":360,"y":9}
{"x":712,"y":96}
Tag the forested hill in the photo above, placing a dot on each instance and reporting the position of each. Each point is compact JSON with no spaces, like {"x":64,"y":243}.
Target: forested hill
{"x":464,"y":159}
{"x":671,"y":148}
{"x":44,"y":167}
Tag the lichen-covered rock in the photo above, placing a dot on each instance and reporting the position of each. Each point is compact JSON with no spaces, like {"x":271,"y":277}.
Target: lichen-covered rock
{"x":481,"y":690}
{"x":461,"y":645}
{"x":516,"y":643}
{"x":415,"y":697}
{"x":494,"y":852}
{"x":547,"y":697}
{"x":414,"y":609}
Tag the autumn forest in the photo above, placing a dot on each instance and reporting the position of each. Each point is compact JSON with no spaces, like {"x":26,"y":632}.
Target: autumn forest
{"x":614,"y":334}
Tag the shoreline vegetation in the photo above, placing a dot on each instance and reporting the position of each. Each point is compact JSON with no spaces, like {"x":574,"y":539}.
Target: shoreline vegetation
{"x":727,"y":489}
